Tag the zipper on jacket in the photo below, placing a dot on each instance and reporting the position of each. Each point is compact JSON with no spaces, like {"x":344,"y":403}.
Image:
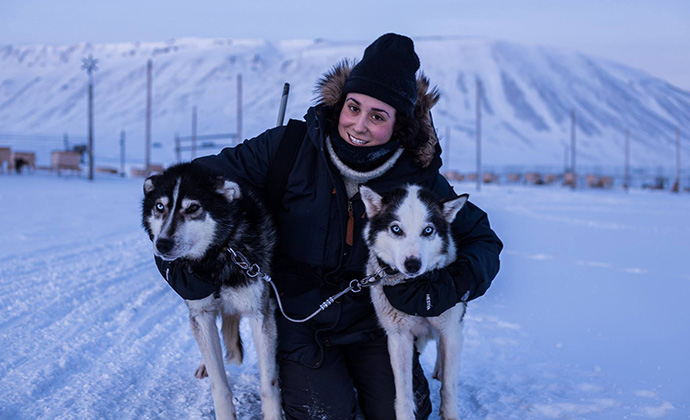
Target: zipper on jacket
{"x":350,"y":235}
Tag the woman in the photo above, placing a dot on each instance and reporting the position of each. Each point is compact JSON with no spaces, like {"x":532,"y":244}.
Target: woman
{"x":371,"y":126}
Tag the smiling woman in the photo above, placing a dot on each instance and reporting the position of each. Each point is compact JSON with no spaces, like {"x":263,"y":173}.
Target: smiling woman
{"x":372,"y":126}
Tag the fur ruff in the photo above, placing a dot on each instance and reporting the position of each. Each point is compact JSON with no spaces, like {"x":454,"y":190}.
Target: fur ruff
{"x":329,"y":91}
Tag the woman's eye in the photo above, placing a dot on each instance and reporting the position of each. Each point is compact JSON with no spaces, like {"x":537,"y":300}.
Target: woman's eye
{"x":353,"y":108}
{"x":160,"y":207}
{"x":378,"y":117}
{"x":395,"y":229}
{"x":428,"y":231}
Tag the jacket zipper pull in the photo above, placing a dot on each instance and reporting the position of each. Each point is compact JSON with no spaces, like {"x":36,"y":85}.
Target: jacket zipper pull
{"x":349,"y":238}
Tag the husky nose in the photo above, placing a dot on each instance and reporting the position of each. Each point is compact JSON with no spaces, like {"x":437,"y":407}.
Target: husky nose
{"x":412,"y":265}
{"x":164,"y":245}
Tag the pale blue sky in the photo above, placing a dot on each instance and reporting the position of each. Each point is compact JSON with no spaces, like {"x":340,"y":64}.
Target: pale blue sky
{"x":653,"y":35}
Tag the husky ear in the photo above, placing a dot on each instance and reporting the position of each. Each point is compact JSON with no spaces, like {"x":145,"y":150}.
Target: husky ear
{"x":231,"y":190}
{"x":150,"y":183}
{"x":372,"y":201}
{"x":453,"y":206}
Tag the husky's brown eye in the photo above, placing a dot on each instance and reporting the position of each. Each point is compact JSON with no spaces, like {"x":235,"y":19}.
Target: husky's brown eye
{"x":395,"y":229}
{"x":193,"y":208}
{"x":428,"y":231}
{"x":160,"y":207}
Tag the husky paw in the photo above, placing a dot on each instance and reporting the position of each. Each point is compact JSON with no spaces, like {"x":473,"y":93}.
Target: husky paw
{"x":201,"y":371}
{"x":452,"y":414}
{"x":233,"y":357}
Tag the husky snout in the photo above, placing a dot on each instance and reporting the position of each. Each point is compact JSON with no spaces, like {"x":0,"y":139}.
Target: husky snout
{"x":164,"y":245}
{"x":412,"y":265}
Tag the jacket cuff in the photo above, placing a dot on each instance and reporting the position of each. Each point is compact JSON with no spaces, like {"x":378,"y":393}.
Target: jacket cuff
{"x":462,"y":277}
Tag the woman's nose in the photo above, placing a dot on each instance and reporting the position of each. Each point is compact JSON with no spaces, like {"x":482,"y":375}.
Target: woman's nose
{"x":361,"y":123}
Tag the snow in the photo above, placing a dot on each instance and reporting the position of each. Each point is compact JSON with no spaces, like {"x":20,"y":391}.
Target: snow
{"x":586,"y":320}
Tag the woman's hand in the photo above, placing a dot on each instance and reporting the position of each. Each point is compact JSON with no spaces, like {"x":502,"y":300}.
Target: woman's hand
{"x":430,"y":294}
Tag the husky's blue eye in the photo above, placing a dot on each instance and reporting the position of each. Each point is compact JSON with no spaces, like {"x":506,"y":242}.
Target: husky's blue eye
{"x":160,"y":207}
{"x":428,"y":231}
{"x":396,"y":230}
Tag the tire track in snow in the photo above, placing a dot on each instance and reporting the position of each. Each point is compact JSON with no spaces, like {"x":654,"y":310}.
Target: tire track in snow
{"x":89,"y":311}
{"x":112,"y":341}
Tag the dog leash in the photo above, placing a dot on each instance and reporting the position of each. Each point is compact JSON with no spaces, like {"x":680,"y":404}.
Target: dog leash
{"x":253,"y":270}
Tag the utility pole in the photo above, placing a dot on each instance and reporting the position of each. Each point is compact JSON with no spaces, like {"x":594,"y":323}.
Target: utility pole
{"x":194,"y":132}
{"x":177,"y":148}
{"x":626,"y":185}
{"x":572,"y":149}
{"x":239,"y":107}
{"x":479,"y":135}
{"x":122,"y":153}
{"x":90,"y":64}
{"x":677,"y":186}
{"x":447,"y":148}
{"x":149,"y":66}
{"x":566,"y":158}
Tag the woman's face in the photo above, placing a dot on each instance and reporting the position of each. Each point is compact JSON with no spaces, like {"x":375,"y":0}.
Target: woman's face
{"x":366,"y":121}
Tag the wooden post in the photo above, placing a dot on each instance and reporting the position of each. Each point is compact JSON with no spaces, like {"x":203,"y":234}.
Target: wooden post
{"x":149,"y":66}
{"x":122,"y":153}
{"x":677,"y":186}
{"x":447,"y":165}
{"x":178,"y":158}
{"x":479,"y":135}
{"x":194,"y":132}
{"x":572,"y":149}
{"x":626,"y":184}
{"x":239,"y":108}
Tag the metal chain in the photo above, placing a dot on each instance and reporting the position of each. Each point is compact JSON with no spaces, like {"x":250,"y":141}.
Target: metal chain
{"x":253,"y":270}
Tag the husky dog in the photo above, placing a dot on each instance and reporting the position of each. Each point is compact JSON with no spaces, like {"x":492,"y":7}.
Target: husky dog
{"x":408,"y":234}
{"x":193,"y":217}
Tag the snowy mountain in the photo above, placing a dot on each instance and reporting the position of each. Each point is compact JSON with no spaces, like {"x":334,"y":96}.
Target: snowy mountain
{"x":528,"y":96}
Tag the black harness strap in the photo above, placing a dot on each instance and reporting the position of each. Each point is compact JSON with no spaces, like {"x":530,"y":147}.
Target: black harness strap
{"x":284,"y":160}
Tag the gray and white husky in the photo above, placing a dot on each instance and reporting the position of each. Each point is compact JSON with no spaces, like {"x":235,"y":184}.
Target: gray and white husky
{"x":409,"y":230}
{"x":192,"y":216}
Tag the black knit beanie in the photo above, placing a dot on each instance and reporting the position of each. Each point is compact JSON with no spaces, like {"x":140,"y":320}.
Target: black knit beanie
{"x":387,"y":73}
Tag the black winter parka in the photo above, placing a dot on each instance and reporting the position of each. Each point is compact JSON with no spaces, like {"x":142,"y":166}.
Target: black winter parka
{"x":313,"y":259}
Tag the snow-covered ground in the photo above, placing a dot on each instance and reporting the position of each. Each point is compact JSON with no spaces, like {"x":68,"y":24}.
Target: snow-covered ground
{"x":588,"y":318}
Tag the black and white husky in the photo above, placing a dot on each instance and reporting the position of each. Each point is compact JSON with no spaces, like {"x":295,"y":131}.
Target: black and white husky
{"x":192,"y":217}
{"x":409,"y":230}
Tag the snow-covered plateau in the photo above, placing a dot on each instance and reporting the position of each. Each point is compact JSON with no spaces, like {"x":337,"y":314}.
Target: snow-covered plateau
{"x":528,"y":97}
{"x":588,"y":318}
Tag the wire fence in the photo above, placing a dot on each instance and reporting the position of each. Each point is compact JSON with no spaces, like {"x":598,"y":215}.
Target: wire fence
{"x":41,"y":146}
{"x":588,"y":176}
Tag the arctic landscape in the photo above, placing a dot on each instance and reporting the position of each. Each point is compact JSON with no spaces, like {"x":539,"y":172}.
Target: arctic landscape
{"x":528,"y":97}
{"x":587,"y":319}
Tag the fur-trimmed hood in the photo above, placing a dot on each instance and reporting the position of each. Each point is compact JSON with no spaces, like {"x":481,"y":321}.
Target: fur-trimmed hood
{"x":420,"y":140}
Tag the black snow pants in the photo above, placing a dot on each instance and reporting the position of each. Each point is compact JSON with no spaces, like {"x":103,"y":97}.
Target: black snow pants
{"x":350,"y":376}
